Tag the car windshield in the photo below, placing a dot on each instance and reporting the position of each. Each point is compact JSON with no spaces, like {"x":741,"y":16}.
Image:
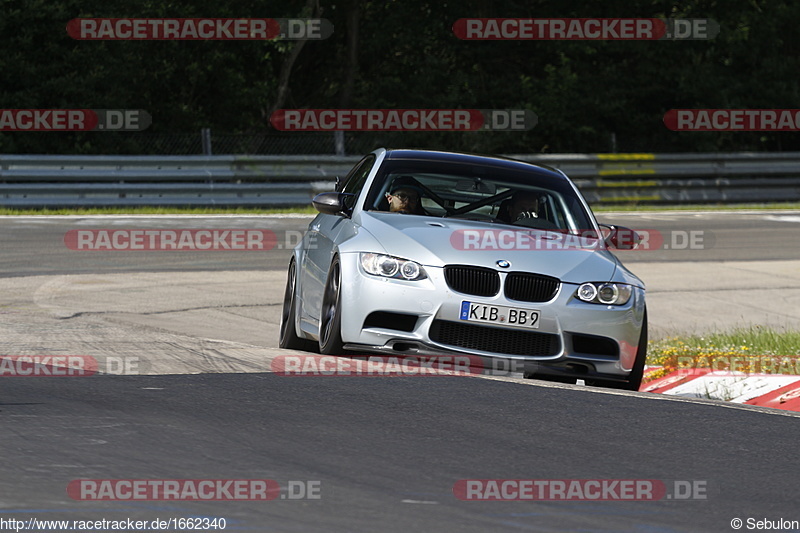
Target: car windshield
{"x":482,"y":193}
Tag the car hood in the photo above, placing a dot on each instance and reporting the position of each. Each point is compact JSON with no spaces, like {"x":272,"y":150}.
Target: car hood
{"x":434,"y":241}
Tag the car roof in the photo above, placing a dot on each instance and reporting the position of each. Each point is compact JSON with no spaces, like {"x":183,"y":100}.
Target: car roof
{"x":475,"y":159}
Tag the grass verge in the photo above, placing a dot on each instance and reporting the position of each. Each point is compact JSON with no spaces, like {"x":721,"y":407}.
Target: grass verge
{"x":751,"y":350}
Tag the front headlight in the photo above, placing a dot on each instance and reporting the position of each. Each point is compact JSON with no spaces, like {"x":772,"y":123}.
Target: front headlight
{"x":605,"y":293}
{"x":389,"y":266}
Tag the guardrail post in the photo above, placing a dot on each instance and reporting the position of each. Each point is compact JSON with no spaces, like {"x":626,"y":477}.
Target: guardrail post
{"x":338,"y":140}
{"x":205,"y":135}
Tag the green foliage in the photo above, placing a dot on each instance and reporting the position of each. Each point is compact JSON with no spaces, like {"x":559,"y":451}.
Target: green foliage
{"x":408,"y":57}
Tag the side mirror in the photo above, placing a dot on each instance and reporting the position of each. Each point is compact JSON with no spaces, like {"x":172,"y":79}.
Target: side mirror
{"x":621,"y":238}
{"x":331,"y":203}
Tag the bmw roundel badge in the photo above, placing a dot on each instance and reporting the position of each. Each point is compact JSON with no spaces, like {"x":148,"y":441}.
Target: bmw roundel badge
{"x":502,"y":263}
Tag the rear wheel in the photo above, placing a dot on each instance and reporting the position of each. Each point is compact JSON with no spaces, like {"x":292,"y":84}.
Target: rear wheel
{"x":289,"y":338}
{"x":330,"y":327}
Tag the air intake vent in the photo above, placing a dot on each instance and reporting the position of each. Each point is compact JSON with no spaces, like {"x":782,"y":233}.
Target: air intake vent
{"x":495,"y":340}
{"x":387,"y":320}
{"x":594,"y":345}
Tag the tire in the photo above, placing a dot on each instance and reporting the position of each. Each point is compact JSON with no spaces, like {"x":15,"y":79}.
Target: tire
{"x":637,"y":372}
{"x":330,"y":324}
{"x":288,"y":335}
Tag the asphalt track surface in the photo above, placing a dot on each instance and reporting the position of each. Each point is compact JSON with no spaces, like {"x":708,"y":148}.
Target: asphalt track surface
{"x":386,"y":451}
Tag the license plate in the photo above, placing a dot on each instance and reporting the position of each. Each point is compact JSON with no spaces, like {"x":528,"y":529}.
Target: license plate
{"x":499,"y":314}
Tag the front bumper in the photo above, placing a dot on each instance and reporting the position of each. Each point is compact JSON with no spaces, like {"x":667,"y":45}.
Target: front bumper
{"x":574,"y":338}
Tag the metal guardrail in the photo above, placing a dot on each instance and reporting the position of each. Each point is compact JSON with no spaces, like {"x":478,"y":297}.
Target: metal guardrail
{"x":57,"y":181}
{"x":681,"y":178}
{"x":197,"y":181}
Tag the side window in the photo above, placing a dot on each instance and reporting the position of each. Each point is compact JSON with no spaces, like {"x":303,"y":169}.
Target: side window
{"x":356,"y":179}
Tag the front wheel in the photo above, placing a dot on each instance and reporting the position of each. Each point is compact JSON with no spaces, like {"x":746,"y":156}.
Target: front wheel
{"x":330,"y":327}
{"x":637,"y":373}
{"x":634,"y":380}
